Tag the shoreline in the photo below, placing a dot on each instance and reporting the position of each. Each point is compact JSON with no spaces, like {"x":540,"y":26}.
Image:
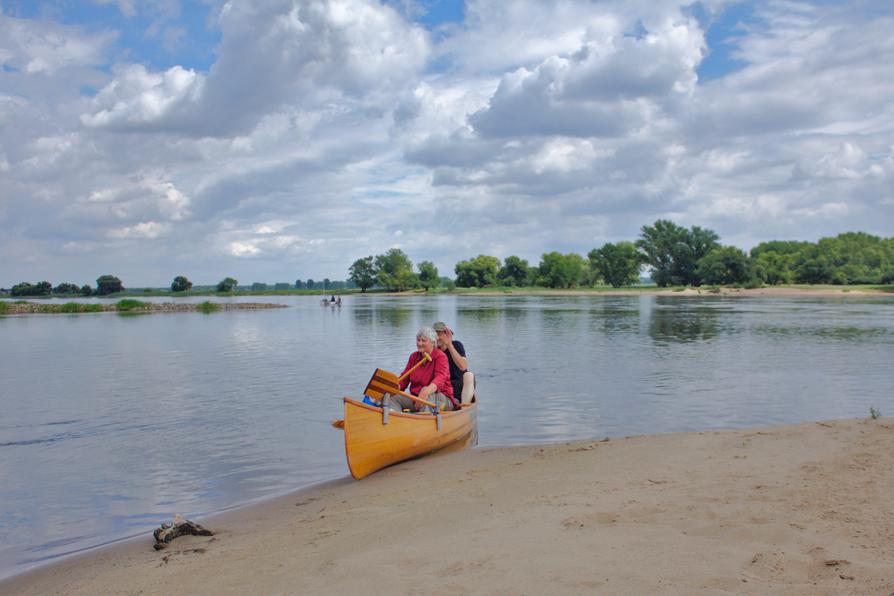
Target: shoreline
{"x":803,"y":508}
{"x":685,"y":292}
{"x":35,"y":308}
{"x":785,"y":290}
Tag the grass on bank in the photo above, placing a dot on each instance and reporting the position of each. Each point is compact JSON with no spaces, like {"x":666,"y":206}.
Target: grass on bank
{"x":74,"y":307}
{"x":130,"y":305}
{"x":209,"y":307}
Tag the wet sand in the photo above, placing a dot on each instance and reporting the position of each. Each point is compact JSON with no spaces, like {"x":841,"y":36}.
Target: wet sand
{"x":803,"y":509}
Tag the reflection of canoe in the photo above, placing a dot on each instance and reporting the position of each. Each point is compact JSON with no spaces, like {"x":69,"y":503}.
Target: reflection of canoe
{"x":374,"y":441}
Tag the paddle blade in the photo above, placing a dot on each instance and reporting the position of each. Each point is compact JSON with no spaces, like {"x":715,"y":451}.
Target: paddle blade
{"x":382,"y":382}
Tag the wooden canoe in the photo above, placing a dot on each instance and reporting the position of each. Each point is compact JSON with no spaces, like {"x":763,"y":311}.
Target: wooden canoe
{"x":373,"y":442}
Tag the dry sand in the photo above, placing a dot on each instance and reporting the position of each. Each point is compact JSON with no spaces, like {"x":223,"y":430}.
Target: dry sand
{"x":804,"y":509}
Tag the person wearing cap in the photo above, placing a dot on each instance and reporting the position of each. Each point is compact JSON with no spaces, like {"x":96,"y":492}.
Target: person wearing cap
{"x":462,"y":380}
{"x":431,"y":381}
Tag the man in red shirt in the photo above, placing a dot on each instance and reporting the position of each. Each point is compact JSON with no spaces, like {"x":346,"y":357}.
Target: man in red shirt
{"x":431,"y":381}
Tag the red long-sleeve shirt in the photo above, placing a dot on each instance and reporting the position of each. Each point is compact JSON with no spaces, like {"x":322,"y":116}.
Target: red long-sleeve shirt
{"x":437,"y":371}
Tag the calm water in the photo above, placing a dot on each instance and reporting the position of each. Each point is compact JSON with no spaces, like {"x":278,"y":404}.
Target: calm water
{"x":110,"y":424}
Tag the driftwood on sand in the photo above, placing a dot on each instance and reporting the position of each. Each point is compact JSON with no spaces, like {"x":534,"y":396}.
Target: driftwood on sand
{"x":181,"y":527}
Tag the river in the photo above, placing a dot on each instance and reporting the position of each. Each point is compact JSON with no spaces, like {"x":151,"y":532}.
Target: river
{"x":110,"y":424}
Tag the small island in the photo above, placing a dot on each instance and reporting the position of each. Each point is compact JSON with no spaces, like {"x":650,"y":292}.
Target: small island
{"x":129,"y":306}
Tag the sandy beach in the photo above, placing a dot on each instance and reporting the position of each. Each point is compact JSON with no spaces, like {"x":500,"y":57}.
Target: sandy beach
{"x":803,"y":509}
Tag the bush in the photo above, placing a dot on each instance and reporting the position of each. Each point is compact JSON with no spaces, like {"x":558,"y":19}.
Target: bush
{"x":128,"y":304}
{"x":79,"y":307}
{"x":208,"y":306}
{"x":4,"y":307}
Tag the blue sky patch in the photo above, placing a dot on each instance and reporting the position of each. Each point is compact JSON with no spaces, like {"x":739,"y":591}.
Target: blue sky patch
{"x":149,"y":37}
{"x":721,"y":36}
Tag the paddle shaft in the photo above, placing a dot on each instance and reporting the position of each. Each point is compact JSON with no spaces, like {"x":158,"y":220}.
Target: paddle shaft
{"x":417,"y":399}
{"x":425,"y":358}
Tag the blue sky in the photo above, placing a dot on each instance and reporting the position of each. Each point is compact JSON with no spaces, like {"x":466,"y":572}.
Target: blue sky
{"x":283,"y":140}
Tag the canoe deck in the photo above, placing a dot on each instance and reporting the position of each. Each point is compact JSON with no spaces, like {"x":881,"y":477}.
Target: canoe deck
{"x":371,"y":445}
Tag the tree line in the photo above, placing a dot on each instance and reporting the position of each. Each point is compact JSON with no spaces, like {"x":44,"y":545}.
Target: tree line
{"x":673,"y":256}
{"x":105,"y":284}
{"x":110,"y":284}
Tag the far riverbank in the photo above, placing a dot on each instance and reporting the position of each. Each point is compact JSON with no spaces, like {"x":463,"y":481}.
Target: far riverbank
{"x":788,"y":291}
{"x":128,"y":306}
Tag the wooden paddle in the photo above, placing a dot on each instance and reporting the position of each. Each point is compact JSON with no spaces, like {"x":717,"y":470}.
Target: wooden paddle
{"x":425,"y":358}
{"x":392,"y":380}
{"x":383,"y":382}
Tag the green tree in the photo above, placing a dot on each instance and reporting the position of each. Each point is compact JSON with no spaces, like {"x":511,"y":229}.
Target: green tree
{"x":617,"y":264}
{"x":773,"y":268}
{"x":181,"y":284}
{"x":282,"y":285}
{"x":23,"y":289}
{"x":363,"y":273}
{"x":108,"y":284}
{"x":478,"y":272}
{"x":394,"y":270}
{"x":428,"y":275}
{"x":326,"y":283}
{"x":701,"y":241}
{"x":310,"y":283}
{"x":773,"y":262}
{"x":561,"y":271}
{"x":782,"y":247}
{"x":227,"y":284}
{"x":813,"y":267}
{"x":66,"y":288}
{"x":299,"y":284}
{"x":724,"y":265}
{"x":514,"y":272}
{"x":857,"y":257}
{"x":86,"y":290}
{"x":43,"y":288}
{"x":259,"y":286}
{"x":673,"y":252}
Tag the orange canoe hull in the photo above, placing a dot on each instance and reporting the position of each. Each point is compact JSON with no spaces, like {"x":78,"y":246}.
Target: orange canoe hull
{"x":371,"y":445}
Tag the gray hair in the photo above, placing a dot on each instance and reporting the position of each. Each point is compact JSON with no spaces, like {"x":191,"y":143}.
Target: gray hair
{"x":427,"y":332}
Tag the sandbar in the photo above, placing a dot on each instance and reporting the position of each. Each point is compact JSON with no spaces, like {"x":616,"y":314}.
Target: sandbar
{"x":799,"y":509}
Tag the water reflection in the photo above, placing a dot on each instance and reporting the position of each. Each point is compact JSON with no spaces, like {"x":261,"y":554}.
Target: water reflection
{"x":484,"y":315}
{"x":392,"y":315}
{"x":675,"y":323}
